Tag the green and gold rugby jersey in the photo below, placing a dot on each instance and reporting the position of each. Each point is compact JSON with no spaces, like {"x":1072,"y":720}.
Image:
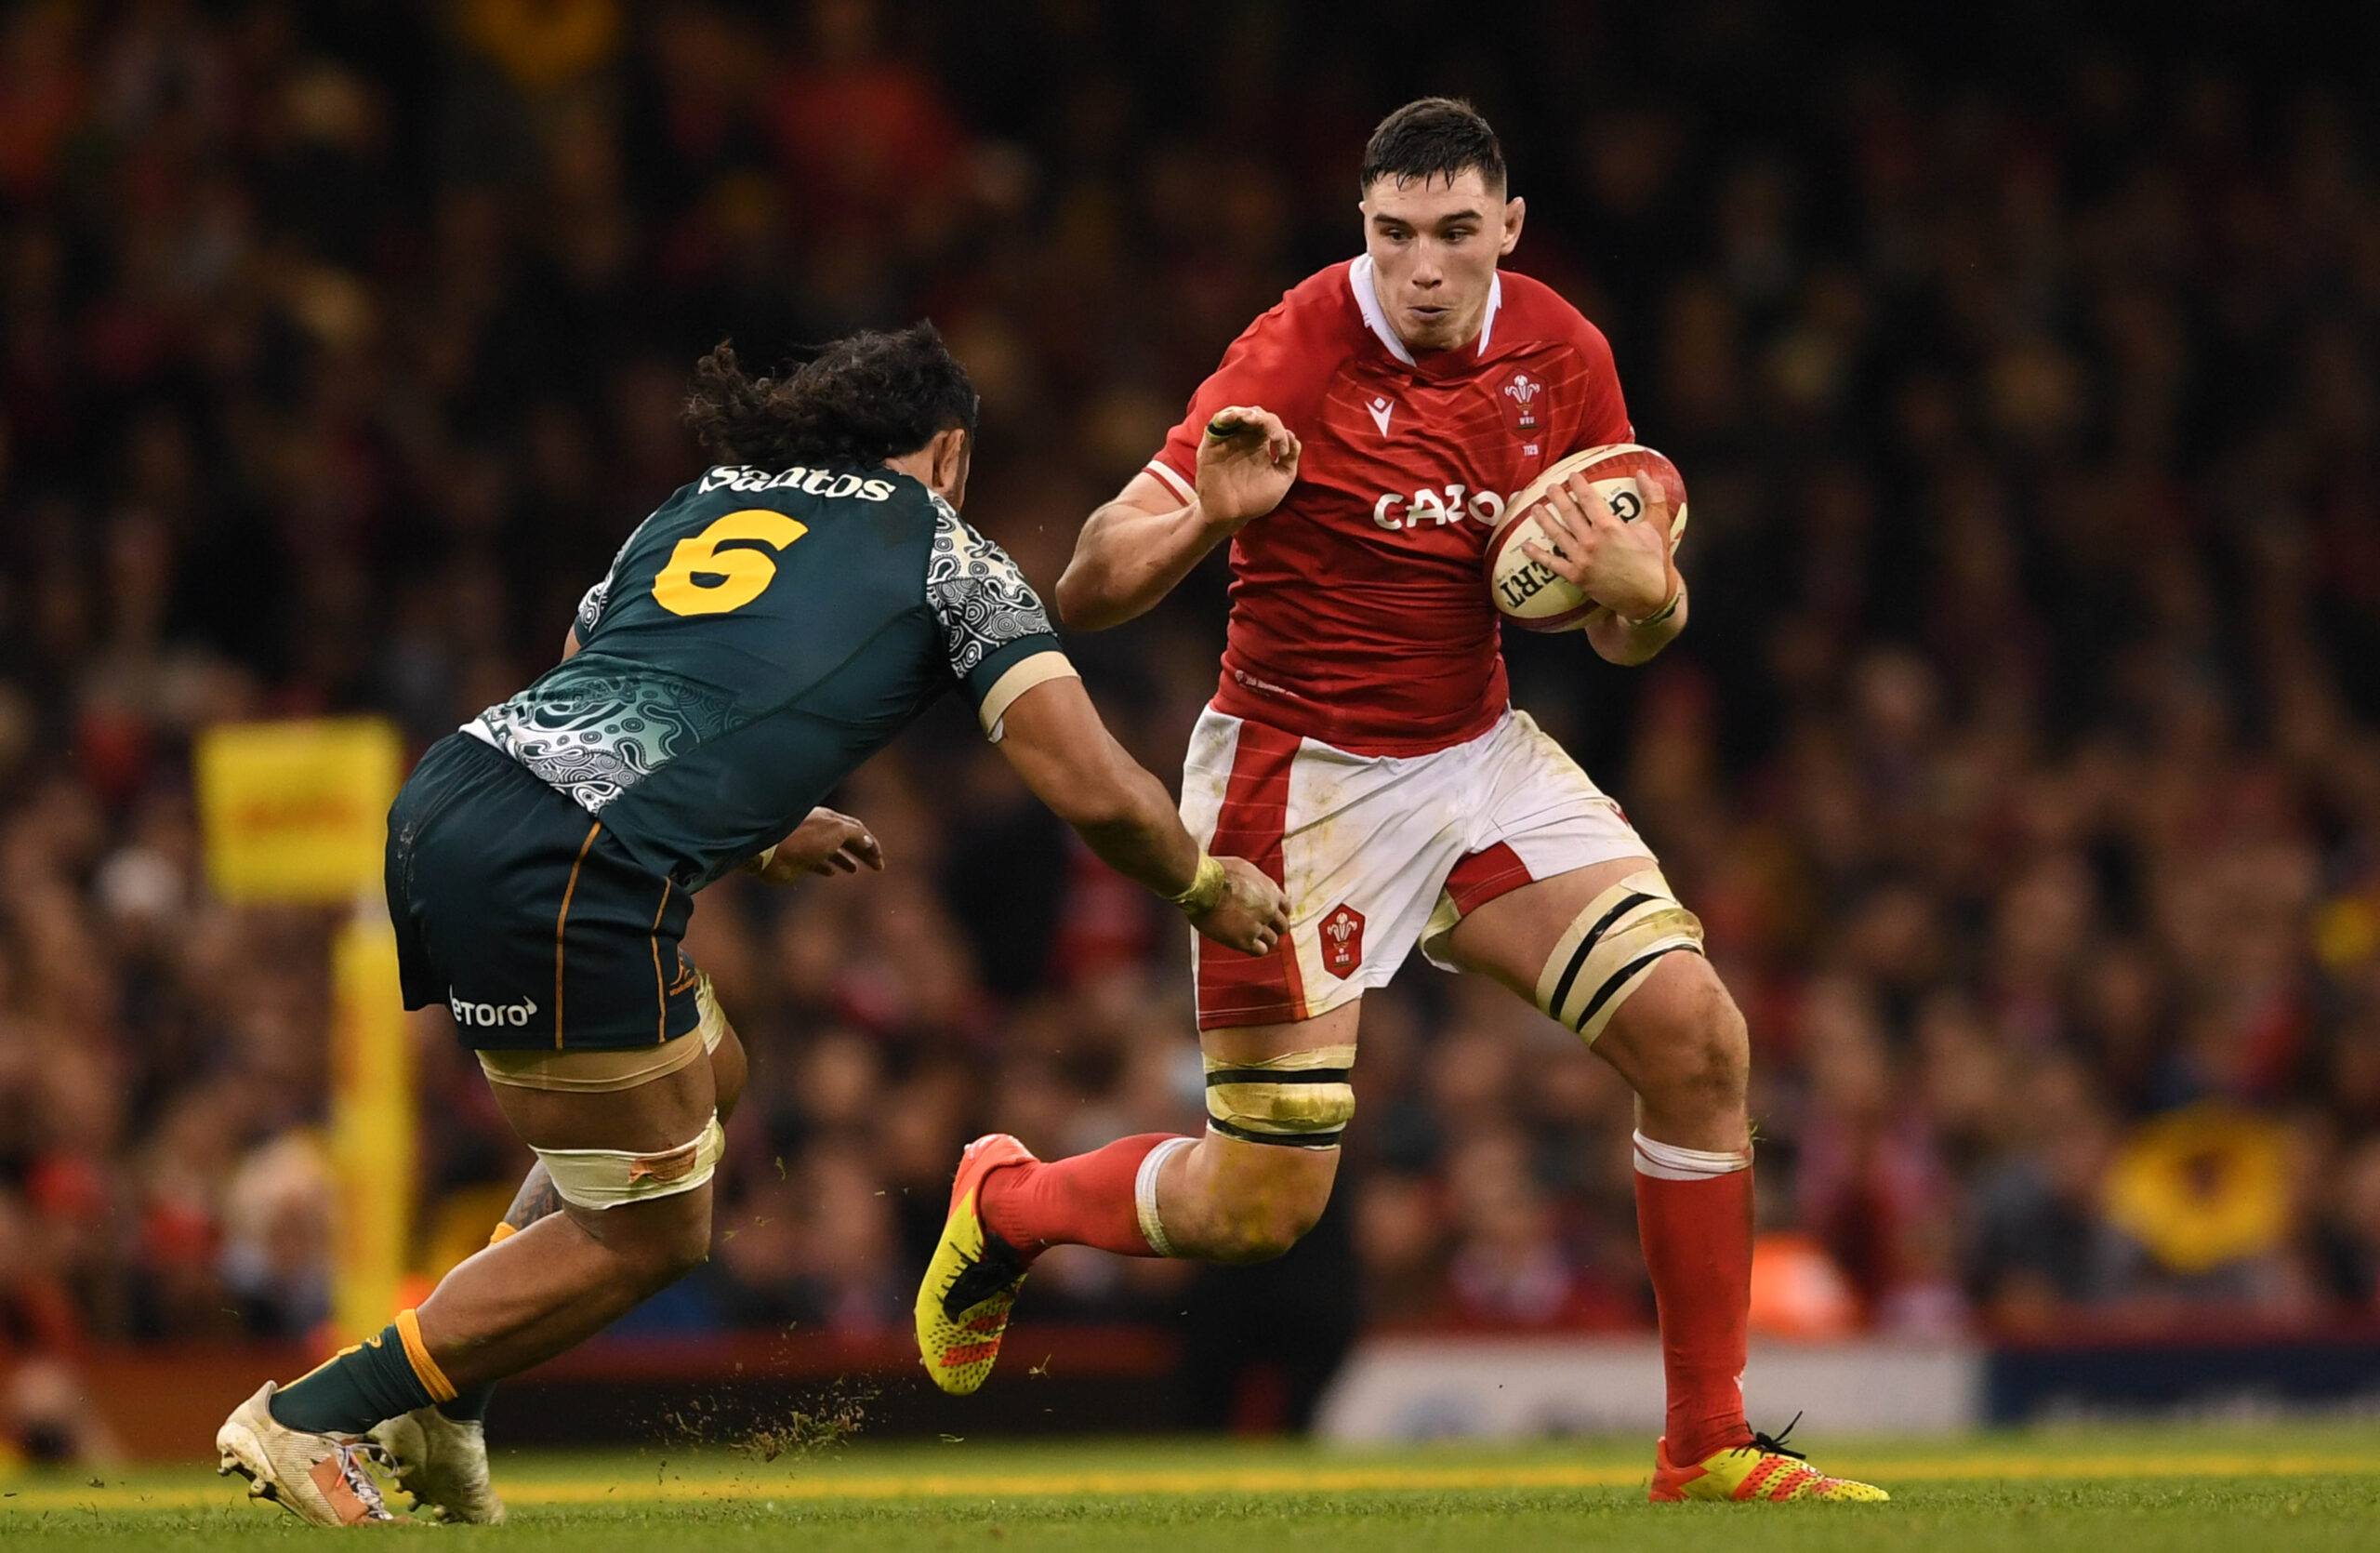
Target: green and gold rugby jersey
{"x":758,"y":637}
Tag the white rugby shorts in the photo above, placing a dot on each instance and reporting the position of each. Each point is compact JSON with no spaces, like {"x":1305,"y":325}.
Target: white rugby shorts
{"x":1377,"y":853}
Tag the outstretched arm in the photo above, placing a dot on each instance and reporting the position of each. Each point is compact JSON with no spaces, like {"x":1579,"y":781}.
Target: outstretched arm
{"x":1134,"y":551}
{"x":1052,"y":736}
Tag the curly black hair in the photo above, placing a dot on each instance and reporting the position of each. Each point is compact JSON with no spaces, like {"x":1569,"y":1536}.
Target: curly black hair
{"x":869,"y":396}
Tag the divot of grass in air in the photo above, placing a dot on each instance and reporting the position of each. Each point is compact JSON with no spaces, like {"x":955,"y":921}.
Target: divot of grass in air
{"x":833,"y":1418}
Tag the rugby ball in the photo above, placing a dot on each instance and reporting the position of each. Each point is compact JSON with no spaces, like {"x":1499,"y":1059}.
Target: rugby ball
{"x":1531,"y":595}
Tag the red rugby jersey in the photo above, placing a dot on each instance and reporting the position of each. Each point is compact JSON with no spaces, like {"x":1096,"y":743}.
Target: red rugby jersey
{"x":1359,"y":606}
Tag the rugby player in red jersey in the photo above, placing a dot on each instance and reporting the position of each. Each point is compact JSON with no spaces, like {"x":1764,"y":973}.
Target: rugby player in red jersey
{"x":1355,"y":448}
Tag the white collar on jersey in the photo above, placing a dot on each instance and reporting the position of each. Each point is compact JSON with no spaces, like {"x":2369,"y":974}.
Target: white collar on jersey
{"x":1359,"y":276}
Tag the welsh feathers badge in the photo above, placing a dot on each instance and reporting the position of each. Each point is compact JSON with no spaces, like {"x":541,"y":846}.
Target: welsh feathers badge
{"x":1343,"y":941}
{"x":1523,"y":398}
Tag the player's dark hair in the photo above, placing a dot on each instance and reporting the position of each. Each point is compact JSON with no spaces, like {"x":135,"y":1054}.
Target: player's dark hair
{"x":1433,"y":136}
{"x":869,"y":396}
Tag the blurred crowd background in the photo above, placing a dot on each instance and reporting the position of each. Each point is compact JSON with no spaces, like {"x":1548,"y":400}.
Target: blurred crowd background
{"x":2021,"y":760}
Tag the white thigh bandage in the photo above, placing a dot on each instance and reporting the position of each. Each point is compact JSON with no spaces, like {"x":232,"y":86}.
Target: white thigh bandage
{"x":1611,"y":948}
{"x":608,"y":1177}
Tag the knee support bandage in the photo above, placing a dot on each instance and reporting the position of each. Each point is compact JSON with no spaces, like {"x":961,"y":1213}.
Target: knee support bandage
{"x":1611,"y":948}
{"x":608,"y":1177}
{"x":1300,"y":1099}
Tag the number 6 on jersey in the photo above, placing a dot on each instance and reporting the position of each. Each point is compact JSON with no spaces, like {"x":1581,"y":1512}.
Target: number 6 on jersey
{"x":744,"y":574}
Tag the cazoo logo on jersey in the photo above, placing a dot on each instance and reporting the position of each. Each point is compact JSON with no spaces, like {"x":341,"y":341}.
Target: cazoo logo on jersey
{"x":1442,"y":506}
{"x":490,"y":1015}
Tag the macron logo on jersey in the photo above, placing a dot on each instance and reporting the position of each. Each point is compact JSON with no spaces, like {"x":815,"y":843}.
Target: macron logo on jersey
{"x":1381,"y":410}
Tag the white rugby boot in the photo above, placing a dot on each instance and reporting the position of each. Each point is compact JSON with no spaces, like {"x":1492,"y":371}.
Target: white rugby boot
{"x":320,"y":1479}
{"x":442,"y":1463}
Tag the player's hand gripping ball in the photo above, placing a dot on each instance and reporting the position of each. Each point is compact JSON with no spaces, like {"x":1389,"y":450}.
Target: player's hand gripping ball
{"x":1531,"y":595}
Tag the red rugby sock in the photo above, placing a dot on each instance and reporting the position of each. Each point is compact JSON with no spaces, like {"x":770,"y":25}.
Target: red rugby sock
{"x":1086,"y":1200}
{"x":1697,"y":1247}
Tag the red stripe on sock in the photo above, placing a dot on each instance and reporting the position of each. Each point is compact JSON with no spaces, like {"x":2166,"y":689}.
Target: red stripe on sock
{"x":1235,"y":989}
{"x":1083,"y":1200}
{"x":1697,"y":1247}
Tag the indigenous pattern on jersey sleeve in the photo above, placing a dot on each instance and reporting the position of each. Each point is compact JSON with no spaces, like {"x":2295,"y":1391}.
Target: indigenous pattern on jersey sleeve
{"x":591,"y":606}
{"x":594,"y":732}
{"x":990,"y":616}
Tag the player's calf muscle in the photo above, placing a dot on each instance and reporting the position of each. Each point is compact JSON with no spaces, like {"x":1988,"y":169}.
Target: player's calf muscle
{"x":520,"y":1303}
{"x":1230,"y":1202}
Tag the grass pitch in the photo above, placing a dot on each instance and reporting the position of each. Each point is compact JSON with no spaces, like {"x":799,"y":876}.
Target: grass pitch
{"x":2262,"y":1489}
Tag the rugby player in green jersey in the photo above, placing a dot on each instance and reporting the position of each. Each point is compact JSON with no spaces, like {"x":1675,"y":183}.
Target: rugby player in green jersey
{"x":770,"y":627}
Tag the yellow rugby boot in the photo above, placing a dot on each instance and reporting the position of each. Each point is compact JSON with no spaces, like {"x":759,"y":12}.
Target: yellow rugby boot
{"x":973,"y":1280}
{"x":1765,"y":1469}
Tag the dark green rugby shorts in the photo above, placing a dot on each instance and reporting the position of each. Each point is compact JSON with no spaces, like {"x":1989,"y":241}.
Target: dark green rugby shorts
{"x":515,"y":910}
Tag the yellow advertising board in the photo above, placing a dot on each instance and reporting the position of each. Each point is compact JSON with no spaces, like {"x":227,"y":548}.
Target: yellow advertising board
{"x":297,"y":810}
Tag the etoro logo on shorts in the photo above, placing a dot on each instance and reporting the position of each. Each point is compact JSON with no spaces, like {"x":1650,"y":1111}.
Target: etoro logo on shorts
{"x":1343,"y":941}
{"x":490,"y":1015}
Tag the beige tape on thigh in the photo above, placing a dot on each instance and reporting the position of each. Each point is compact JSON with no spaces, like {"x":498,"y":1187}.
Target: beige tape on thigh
{"x":609,"y":1070}
{"x":1300,"y":1099}
{"x":590,"y":1073}
{"x":1611,"y":948}
{"x":609,"y":1178}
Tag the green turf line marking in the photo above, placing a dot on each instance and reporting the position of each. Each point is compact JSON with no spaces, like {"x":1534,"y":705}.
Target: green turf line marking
{"x":703,"y":1484}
